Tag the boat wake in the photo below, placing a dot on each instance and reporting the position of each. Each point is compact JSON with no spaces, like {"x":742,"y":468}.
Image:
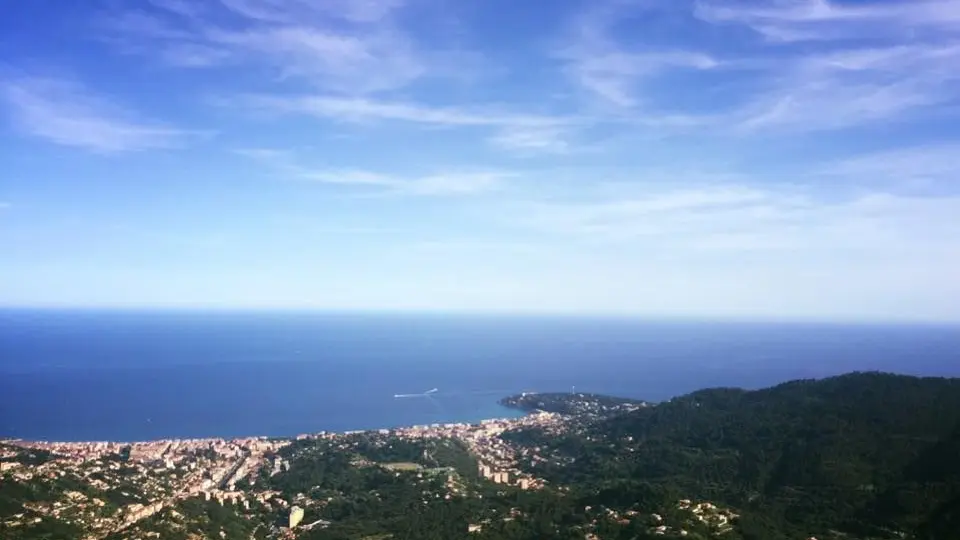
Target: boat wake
{"x":424,"y":394}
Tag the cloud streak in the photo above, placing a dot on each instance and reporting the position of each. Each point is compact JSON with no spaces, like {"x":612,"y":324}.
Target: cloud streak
{"x":822,"y":20}
{"x":905,"y":72}
{"x":738,"y":219}
{"x":339,"y":46}
{"x":514,"y":131}
{"x":856,"y":86}
{"x":364,"y":64}
{"x":441,"y":184}
{"x":65,"y":112}
{"x":363,"y":109}
{"x":612,"y":71}
{"x":933,"y":165}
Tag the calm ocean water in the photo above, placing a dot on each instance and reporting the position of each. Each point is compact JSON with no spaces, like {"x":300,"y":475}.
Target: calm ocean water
{"x":71,"y":375}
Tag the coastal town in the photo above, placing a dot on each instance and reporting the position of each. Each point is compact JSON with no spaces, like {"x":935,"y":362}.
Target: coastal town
{"x":140,"y":479}
{"x":298,"y":487}
{"x":137,"y":480}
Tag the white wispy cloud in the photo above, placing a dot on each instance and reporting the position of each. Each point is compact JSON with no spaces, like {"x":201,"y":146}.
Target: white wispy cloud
{"x":803,"y":20}
{"x":820,"y":104}
{"x":855,"y":86}
{"x":441,"y":184}
{"x":746,"y":218}
{"x":352,"y":52}
{"x":361,"y":109}
{"x":615,"y":75}
{"x":552,"y":139}
{"x":933,"y":165}
{"x":347,"y":63}
{"x":893,"y":58}
{"x":194,"y":55}
{"x":658,"y":212}
{"x":880,"y":206}
{"x":517,"y":131}
{"x":446,"y":183}
{"x":292,"y":11}
{"x":907,"y":72}
{"x":358,"y":56}
{"x":603,"y":65}
{"x":66,"y":113}
{"x":339,"y":46}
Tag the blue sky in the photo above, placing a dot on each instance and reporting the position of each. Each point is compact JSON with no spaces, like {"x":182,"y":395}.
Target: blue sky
{"x":715,"y":158}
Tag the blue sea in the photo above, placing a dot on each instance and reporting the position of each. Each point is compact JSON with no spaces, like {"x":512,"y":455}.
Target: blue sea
{"x":124,"y":375}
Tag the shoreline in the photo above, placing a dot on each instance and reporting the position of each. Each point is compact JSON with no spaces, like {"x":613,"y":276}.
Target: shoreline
{"x":505,"y":414}
{"x":23,"y":443}
{"x":514,"y":407}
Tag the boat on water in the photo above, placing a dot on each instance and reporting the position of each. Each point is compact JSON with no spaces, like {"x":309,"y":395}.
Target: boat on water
{"x":425,"y":394}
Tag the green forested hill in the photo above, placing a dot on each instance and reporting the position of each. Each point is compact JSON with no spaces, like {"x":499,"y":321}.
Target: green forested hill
{"x":928,"y":492}
{"x":866,"y":453}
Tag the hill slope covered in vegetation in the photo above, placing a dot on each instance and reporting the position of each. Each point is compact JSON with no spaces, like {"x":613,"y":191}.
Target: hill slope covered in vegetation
{"x":867,"y":454}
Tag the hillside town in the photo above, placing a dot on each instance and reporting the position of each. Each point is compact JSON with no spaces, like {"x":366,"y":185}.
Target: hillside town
{"x":140,"y":479}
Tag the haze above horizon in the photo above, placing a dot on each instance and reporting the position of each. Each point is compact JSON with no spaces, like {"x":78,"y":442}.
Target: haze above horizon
{"x":711,"y":158}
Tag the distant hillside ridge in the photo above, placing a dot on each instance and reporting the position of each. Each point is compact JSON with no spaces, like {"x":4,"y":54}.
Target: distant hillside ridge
{"x":872,"y":454}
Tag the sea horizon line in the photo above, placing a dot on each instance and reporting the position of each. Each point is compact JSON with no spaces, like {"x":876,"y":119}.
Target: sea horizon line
{"x":562,"y":315}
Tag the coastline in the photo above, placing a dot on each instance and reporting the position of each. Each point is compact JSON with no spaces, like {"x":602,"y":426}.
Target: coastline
{"x":75,"y":379}
{"x":284,"y":425}
{"x":323,"y":433}
{"x":523,"y":405}
{"x":513,"y":412}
